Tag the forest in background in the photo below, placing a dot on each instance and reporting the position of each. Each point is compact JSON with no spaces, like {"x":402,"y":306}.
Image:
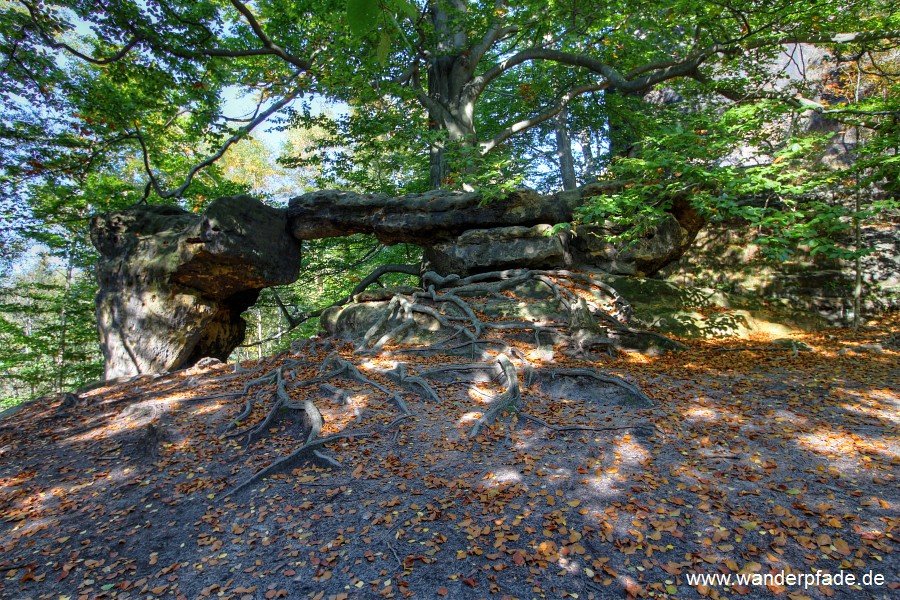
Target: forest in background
{"x":106,"y":108}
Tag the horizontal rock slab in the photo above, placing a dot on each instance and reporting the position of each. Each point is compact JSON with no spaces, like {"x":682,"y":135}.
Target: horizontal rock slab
{"x":421,"y":219}
{"x":444,"y":223}
{"x":173,"y":284}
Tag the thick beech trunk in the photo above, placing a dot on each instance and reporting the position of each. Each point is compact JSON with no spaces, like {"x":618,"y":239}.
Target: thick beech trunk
{"x":451,"y":102}
{"x":452,"y":112}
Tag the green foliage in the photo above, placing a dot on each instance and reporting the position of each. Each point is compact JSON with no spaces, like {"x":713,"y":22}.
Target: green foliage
{"x":107,"y":105}
{"x":362,"y":16}
{"x":48,"y":341}
{"x":355,"y":152}
{"x":331,"y":268}
{"x":731,"y":162}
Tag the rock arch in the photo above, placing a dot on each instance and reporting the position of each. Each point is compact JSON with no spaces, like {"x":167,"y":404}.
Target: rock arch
{"x":173,"y":284}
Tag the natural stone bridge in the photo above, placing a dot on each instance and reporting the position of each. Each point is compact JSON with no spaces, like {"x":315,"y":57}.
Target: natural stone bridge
{"x":173,"y":284}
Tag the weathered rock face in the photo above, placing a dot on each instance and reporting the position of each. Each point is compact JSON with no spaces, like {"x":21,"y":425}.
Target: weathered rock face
{"x":727,"y":256}
{"x":462,"y":234}
{"x":173,"y":284}
{"x":645,"y":256}
{"x":499,"y":248}
{"x":537,"y":247}
{"x":421,"y":218}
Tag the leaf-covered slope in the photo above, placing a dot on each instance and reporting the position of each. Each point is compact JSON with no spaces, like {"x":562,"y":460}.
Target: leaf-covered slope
{"x":744,"y":457}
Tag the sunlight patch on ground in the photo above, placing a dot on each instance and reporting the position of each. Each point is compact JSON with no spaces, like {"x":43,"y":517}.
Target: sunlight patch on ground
{"x":210,"y":408}
{"x":481,"y":396}
{"x":133,"y":417}
{"x":570,"y":566}
{"x":604,"y":486}
{"x":629,"y":452}
{"x":469,"y":418}
{"x":835,"y":445}
{"x":787,"y":416}
{"x":504,"y":476}
{"x":541,"y":354}
{"x":378,"y":364}
{"x":879,"y":404}
{"x":702,"y":413}
{"x":635,"y":358}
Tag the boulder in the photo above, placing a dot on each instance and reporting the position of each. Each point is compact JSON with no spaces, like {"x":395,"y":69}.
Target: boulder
{"x":481,"y":250}
{"x":173,"y":284}
{"x":663,"y":244}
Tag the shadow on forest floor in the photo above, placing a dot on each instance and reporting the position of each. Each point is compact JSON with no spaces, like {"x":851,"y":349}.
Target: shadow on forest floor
{"x":749,"y":460}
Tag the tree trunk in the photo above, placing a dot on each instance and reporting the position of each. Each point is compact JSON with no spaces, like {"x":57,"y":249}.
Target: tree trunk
{"x":587,"y":149}
{"x":452,"y":105}
{"x":63,"y":324}
{"x":453,"y":115}
{"x":564,"y":151}
{"x":259,"y":333}
{"x":621,"y":138}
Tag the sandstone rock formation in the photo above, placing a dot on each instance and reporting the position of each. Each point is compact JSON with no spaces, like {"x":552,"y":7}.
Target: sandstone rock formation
{"x":422,"y":219}
{"x":463,"y":233}
{"x":480,"y":250}
{"x":173,"y":284}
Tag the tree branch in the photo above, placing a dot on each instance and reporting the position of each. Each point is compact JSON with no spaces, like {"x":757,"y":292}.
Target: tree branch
{"x":360,"y":287}
{"x":239,"y":135}
{"x":267,"y":42}
{"x":650,"y":74}
{"x":507,"y":133}
{"x":292,"y":322}
{"x":56,"y":45}
{"x":494,"y":33}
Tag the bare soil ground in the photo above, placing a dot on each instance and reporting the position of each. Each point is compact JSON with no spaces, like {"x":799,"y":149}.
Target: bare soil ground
{"x":750,"y":458}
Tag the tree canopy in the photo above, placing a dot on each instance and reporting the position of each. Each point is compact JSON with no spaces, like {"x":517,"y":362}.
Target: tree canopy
{"x":736,"y":104}
{"x":137,"y":87}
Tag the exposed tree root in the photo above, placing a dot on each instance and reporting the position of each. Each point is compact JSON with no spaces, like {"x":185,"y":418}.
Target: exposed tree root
{"x":373,"y":277}
{"x":611,"y":379}
{"x":403,"y":308}
{"x":335,"y":394}
{"x":353,"y":373}
{"x":472,"y":345}
{"x":248,"y":406}
{"x":312,"y":417}
{"x":398,"y":303}
{"x":411,"y":382}
{"x":301,"y":453}
{"x":213,"y":397}
{"x":508,"y":401}
{"x":621,"y":308}
{"x":459,"y":303}
{"x":444,"y":307}
{"x":310,"y":448}
{"x":539,"y":330}
{"x":482,"y":366}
